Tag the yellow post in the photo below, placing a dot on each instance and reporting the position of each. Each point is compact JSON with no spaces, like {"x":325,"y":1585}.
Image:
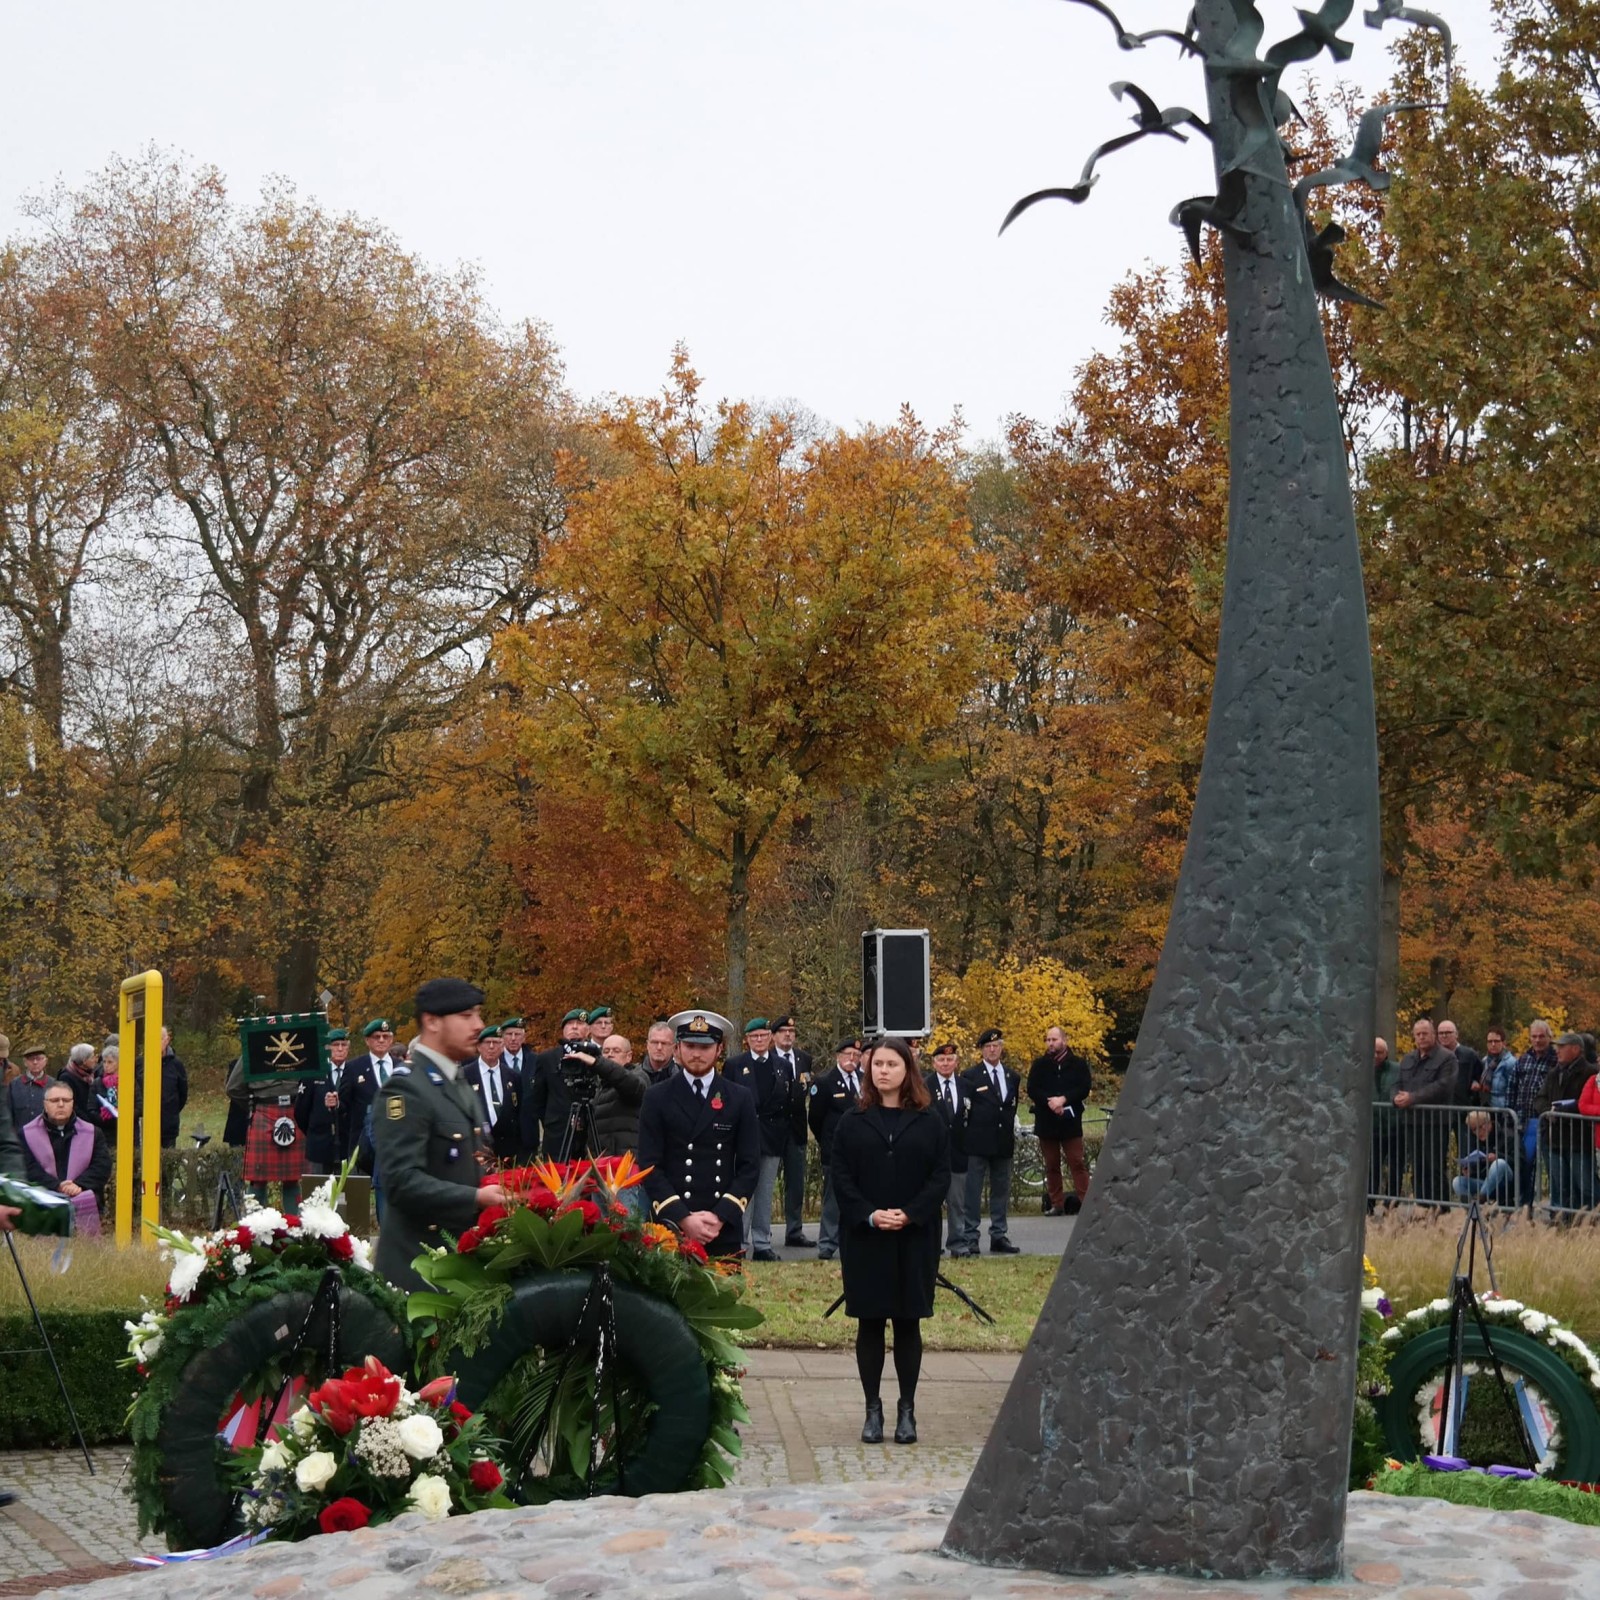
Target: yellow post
{"x":140,"y":997}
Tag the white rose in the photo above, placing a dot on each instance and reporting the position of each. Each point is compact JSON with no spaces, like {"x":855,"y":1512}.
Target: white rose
{"x":431,"y":1496}
{"x":315,"y":1471}
{"x":303,"y":1423}
{"x":421,"y":1436}
{"x":274,"y":1458}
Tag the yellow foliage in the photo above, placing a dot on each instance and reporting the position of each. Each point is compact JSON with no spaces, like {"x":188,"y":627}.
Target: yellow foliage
{"x":1022,"y":1001}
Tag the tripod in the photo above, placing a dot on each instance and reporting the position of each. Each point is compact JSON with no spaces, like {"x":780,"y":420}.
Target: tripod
{"x":577,"y":1143}
{"x":45,"y":1346}
{"x":1464,"y":1303}
{"x":227,"y":1193}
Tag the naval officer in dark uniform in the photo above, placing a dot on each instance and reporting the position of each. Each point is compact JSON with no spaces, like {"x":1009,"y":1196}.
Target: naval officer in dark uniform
{"x":425,"y":1126}
{"x":699,"y":1135}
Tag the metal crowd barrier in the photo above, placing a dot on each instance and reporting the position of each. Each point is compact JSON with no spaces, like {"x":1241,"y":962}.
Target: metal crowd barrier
{"x":1567,"y":1180}
{"x":1432,"y":1155}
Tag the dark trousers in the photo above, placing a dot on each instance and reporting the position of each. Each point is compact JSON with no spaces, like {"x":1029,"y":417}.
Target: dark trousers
{"x":794,"y":1188}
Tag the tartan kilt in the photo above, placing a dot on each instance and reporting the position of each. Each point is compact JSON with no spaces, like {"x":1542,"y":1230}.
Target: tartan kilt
{"x":265,"y":1162}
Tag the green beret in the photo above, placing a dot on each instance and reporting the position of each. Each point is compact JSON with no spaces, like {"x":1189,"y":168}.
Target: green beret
{"x":488,"y":1033}
{"x":380,"y":1026}
{"x":578,"y":1015}
{"x":756,"y":1022}
{"x":338,"y":1033}
{"x":597,"y":1013}
{"x":514,"y":1022}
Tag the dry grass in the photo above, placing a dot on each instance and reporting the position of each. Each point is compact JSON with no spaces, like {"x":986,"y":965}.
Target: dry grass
{"x":98,"y":1277}
{"x":1555,"y":1269}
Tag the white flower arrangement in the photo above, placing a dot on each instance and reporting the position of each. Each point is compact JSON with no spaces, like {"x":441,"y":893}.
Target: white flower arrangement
{"x":431,"y":1496}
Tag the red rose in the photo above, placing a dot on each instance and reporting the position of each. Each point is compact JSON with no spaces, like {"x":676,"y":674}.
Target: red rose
{"x":243,"y":1237}
{"x":459,"y":1411}
{"x":491,"y":1215}
{"x":484,"y":1476}
{"x":541,"y":1200}
{"x":344,"y":1516}
{"x":341,"y":1249}
{"x":469,"y":1241}
{"x":586,"y":1209}
{"x":291,"y":1222}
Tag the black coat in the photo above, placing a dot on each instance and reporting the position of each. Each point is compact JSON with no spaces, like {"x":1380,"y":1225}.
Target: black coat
{"x":830,"y":1099}
{"x":505,"y":1139}
{"x":358,"y":1083}
{"x":174,"y":1097}
{"x":992,"y":1123}
{"x":800,"y":1104}
{"x":327,"y":1135}
{"x":546,"y":1105}
{"x":955,"y":1122}
{"x":704,"y":1155}
{"x":779,"y":1095}
{"x":1049,"y":1077}
{"x":1471,"y":1072}
{"x":886,"y":1160}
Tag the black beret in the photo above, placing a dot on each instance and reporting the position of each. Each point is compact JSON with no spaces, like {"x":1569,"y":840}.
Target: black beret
{"x":846,"y":1044}
{"x":444,"y":997}
{"x":785,"y":1021}
{"x":988,"y":1036}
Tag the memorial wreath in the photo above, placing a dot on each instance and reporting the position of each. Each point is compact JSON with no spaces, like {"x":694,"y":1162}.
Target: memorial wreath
{"x":253,"y":1315}
{"x":1556,"y":1379}
{"x":596,"y":1344}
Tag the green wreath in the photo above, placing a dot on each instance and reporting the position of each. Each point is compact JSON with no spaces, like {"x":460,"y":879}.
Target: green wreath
{"x":662,"y":1369}
{"x":1529,"y":1344}
{"x":236,"y":1301}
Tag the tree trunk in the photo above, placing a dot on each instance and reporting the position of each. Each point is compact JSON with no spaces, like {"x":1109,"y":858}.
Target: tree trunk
{"x":738,"y":939}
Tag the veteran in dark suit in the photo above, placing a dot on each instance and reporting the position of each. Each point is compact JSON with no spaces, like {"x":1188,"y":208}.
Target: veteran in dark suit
{"x":780,"y":1099}
{"x":363,"y":1078}
{"x":954,"y":1105}
{"x":319,"y":1110}
{"x":425,"y":1130}
{"x":991,"y":1140}
{"x":699,"y":1136}
{"x":832,"y":1093}
{"x":500,"y":1091}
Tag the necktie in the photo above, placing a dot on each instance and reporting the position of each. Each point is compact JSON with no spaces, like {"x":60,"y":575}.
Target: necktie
{"x":380,"y":1070}
{"x":492,"y":1078}
{"x":949,"y":1096}
{"x":852,"y":1082}
{"x":699,"y":1087}
{"x":998,"y":1081}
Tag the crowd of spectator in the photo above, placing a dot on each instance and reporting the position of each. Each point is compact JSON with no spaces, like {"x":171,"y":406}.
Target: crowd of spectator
{"x":1509,"y":1118}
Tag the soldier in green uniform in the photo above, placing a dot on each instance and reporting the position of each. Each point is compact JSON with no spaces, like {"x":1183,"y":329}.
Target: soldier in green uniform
{"x":425,"y":1128}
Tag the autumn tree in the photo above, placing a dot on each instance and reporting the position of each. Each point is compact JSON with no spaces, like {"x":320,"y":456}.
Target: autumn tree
{"x":742,"y":621}
{"x":351,"y":467}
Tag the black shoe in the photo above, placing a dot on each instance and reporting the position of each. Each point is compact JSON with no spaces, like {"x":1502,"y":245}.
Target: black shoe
{"x":798,"y":1241}
{"x":763,"y":1255}
{"x":905,"y":1425}
{"x":872,"y":1428}
{"x":1053,"y":1211}
{"x":8,"y":1498}
{"x":826,"y":1255}
{"x":1071,"y":1206}
{"x":999,"y":1247}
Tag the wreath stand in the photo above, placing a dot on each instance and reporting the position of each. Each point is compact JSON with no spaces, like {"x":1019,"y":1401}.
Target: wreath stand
{"x":45,"y":1345}
{"x":1464,"y":1303}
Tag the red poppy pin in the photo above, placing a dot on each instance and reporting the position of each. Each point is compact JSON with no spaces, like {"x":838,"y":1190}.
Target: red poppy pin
{"x":716,"y":1102}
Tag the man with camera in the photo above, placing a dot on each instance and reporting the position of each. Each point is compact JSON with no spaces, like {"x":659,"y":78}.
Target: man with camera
{"x":546,"y":1103}
{"x":621,"y":1092}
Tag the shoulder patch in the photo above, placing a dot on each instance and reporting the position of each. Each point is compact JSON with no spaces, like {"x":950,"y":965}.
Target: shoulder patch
{"x":395,"y":1106}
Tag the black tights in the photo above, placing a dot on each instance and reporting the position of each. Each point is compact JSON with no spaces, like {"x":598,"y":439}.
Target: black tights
{"x":907,"y":1354}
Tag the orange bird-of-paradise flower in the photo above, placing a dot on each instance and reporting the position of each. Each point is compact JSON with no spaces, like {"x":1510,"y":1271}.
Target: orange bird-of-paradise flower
{"x":566,"y":1183}
{"x":614,"y":1175}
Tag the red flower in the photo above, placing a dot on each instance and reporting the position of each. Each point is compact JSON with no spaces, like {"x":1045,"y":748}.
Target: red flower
{"x":291,"y":1222}
{"x":243,"y":1237}
{"x":341,"y":1249}
{"x":469,"y":1241}
{"x":459,"y":1411}
{"x":484,"y":1476}
{"x":692,"y":1249}
{"x":344,"y":1516}
{"x":541,"y":1200}
{"x":491,"y":1215}
{"x":367,"y":1391}
{"x":438,"y":1393}
{"x":716,"y":1102}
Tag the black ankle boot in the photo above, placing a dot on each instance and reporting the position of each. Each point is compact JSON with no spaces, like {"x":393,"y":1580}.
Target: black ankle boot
{"x":872,"y":1428}
{"x":905,"y":1424}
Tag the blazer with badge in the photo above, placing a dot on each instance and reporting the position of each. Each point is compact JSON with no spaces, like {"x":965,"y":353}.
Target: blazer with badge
{"x":954,"y":1119}
{"x":327,"y":1133}
{"x":780,"y":1100}
{"x":830,"y":1098}
{"x":703,"y":1156}
{"x":505,"y":1138}
{"x":425,"y":1130}
{"x":992,"y":1119}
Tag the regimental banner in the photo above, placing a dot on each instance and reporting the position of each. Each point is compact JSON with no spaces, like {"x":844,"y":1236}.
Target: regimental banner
{"x":287,"y":1044}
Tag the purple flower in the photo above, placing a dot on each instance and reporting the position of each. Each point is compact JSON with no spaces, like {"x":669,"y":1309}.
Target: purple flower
{"x":1446,"y":1463}
{"x":1511,"y":1472}
{"x":1385,"y":1306}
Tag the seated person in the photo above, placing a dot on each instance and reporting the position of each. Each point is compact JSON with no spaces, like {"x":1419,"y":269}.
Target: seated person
{"x":1484,"y":1172}
{"x":64,"y":1152}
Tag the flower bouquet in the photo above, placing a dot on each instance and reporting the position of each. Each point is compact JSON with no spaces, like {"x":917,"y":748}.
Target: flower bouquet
{"x":561,"y":1218}
{"x":366,"y":1449}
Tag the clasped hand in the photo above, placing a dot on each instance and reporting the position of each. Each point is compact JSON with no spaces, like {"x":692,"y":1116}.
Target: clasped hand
{"x":893,"y":1221}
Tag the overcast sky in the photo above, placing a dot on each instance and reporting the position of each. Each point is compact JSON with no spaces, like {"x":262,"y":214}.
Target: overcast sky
{"x":806,"y":192}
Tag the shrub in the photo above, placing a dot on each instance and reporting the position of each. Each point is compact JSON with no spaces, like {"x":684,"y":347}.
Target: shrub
{"x":88,"y":1345}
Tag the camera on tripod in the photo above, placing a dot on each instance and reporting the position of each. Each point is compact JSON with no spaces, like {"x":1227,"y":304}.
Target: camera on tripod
{"x":578,"y":1072}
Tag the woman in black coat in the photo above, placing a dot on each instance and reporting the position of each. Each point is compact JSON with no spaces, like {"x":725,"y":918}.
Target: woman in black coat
{"x":891,"y":1170}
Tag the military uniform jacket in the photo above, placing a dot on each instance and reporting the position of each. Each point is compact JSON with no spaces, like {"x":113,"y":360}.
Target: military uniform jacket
{"x":780,"y":1098}
{"x":505,"y":1138}
{"x":954,"y":1118}
{"x":425,"y":1130}
{"x":705,"y":1156}
{"x":327,"y":1133}
{"x":992,"y":1121}
{"x":829,"y":1099}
